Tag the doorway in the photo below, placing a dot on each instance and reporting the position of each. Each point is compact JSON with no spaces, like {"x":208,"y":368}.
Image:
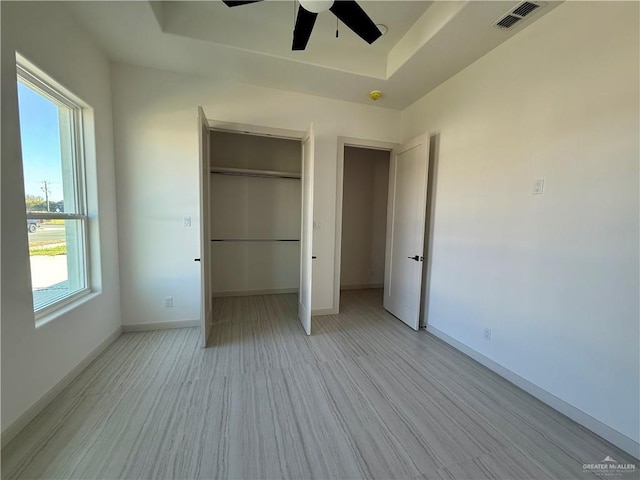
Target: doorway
{"x":364,"y":218}
{"x":358,"y":245}
{"x":256,"y":194}
{"x":361,"y":216}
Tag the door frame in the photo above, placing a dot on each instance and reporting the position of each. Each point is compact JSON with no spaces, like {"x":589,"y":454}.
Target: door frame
{"x":342,"y":143}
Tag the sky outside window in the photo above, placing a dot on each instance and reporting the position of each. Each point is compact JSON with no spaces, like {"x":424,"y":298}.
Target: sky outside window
{"x":40,"y":134}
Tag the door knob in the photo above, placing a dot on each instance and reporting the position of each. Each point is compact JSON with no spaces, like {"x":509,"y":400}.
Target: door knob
{"x":417,"y":258}
{"x":196,"y":259}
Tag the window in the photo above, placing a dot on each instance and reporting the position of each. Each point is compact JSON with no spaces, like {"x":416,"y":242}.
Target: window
{"x":53,"y":167}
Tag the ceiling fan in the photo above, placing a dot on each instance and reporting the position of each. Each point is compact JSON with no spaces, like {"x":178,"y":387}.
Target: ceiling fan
{"x":348,"y":11}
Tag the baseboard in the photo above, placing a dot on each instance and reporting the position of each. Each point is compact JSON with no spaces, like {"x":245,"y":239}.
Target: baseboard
{"x":12,"y":430}
{"x":596,"y":426}
{"x":362,"y":287}
{"x":249,"y":293}
{"x":144,"y":327}
{"x":324,"y":311}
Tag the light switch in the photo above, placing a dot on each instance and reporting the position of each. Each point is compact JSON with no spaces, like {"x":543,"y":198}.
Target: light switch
{"x":538,"y":186}
{"x":187,"y":221}
{"x":316,"y":225}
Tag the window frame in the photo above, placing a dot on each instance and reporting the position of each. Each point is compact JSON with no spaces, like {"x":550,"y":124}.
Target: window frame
{"x":42,"y":84}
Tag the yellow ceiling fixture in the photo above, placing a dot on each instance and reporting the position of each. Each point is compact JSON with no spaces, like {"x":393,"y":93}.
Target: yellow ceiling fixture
{"x":375,"y":95}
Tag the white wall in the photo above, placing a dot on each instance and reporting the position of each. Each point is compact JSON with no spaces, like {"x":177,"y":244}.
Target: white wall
{"x":255,"y":208}
{"x":237,"y":150}
{"x":364,"y":216}
{"x":554,"y":276}
{"x":157,"y":172}
{"x":34,"y":360}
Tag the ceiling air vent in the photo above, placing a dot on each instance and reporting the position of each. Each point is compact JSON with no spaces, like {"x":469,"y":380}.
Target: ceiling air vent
{"x":525,"y":9}
{"x":509,"y":19}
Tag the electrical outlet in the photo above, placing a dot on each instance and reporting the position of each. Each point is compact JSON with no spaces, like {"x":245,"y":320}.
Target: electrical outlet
{"x":168,"y":301}
{"x":538,"y":186}
{"x":487,"y":334}
{"x":187,"y":221}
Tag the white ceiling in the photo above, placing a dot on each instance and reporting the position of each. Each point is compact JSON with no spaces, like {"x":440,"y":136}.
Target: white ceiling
{"x":267,"y":27}
{"x":427,"y":43}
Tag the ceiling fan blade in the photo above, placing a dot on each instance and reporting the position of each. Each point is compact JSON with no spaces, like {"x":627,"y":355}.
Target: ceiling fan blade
{"x":302,"y":31}
{"x":237,"y":3}
{"x":354,"y":17}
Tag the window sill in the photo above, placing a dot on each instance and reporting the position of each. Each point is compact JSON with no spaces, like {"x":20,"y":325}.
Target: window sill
{"x":60,"y":310}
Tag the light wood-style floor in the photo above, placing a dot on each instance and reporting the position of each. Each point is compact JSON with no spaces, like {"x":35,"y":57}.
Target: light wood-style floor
{"x":364,"y":397}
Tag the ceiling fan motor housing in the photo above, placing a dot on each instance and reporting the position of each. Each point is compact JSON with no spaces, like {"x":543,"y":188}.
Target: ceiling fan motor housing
{"x":316,"y":6}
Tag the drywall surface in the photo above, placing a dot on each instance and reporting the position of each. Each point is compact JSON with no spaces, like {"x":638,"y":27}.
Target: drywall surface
{"x":238,"y":150}
{"x":364,"y":216}
{"x":157,"y":176}
{"x":244,"y":268}
{"x":35,"y":359}
{"x":554,"y":276}
{"x":259,"y":209}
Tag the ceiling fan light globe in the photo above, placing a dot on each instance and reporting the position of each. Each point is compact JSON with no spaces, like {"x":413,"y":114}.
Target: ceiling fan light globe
{"x":316,"y":6}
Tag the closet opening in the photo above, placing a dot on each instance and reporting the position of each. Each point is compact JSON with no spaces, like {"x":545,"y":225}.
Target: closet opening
{"x":256,"y":225}
{"x":255,"y":214}
{"x":365,"y":187}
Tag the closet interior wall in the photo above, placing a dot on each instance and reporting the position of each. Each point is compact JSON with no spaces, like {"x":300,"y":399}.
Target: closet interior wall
{"x":255,"y":214}
{"x":364,"y":217}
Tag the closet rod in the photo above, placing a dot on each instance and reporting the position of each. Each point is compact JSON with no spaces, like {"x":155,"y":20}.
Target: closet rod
{"x":245,"y":172}
{"x":255,"y":240}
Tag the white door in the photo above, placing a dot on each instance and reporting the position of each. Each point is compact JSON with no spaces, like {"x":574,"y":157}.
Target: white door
{"x":205,"y":237}
{"x":405,"y":230}
{"x":306,"y":233}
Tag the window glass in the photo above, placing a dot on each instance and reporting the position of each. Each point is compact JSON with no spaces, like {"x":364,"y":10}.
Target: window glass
{"x":52,"y":168}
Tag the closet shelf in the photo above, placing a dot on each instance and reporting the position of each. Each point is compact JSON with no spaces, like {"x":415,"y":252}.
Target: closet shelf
{"x":255,"y":240}
{"x":246,"y":172}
